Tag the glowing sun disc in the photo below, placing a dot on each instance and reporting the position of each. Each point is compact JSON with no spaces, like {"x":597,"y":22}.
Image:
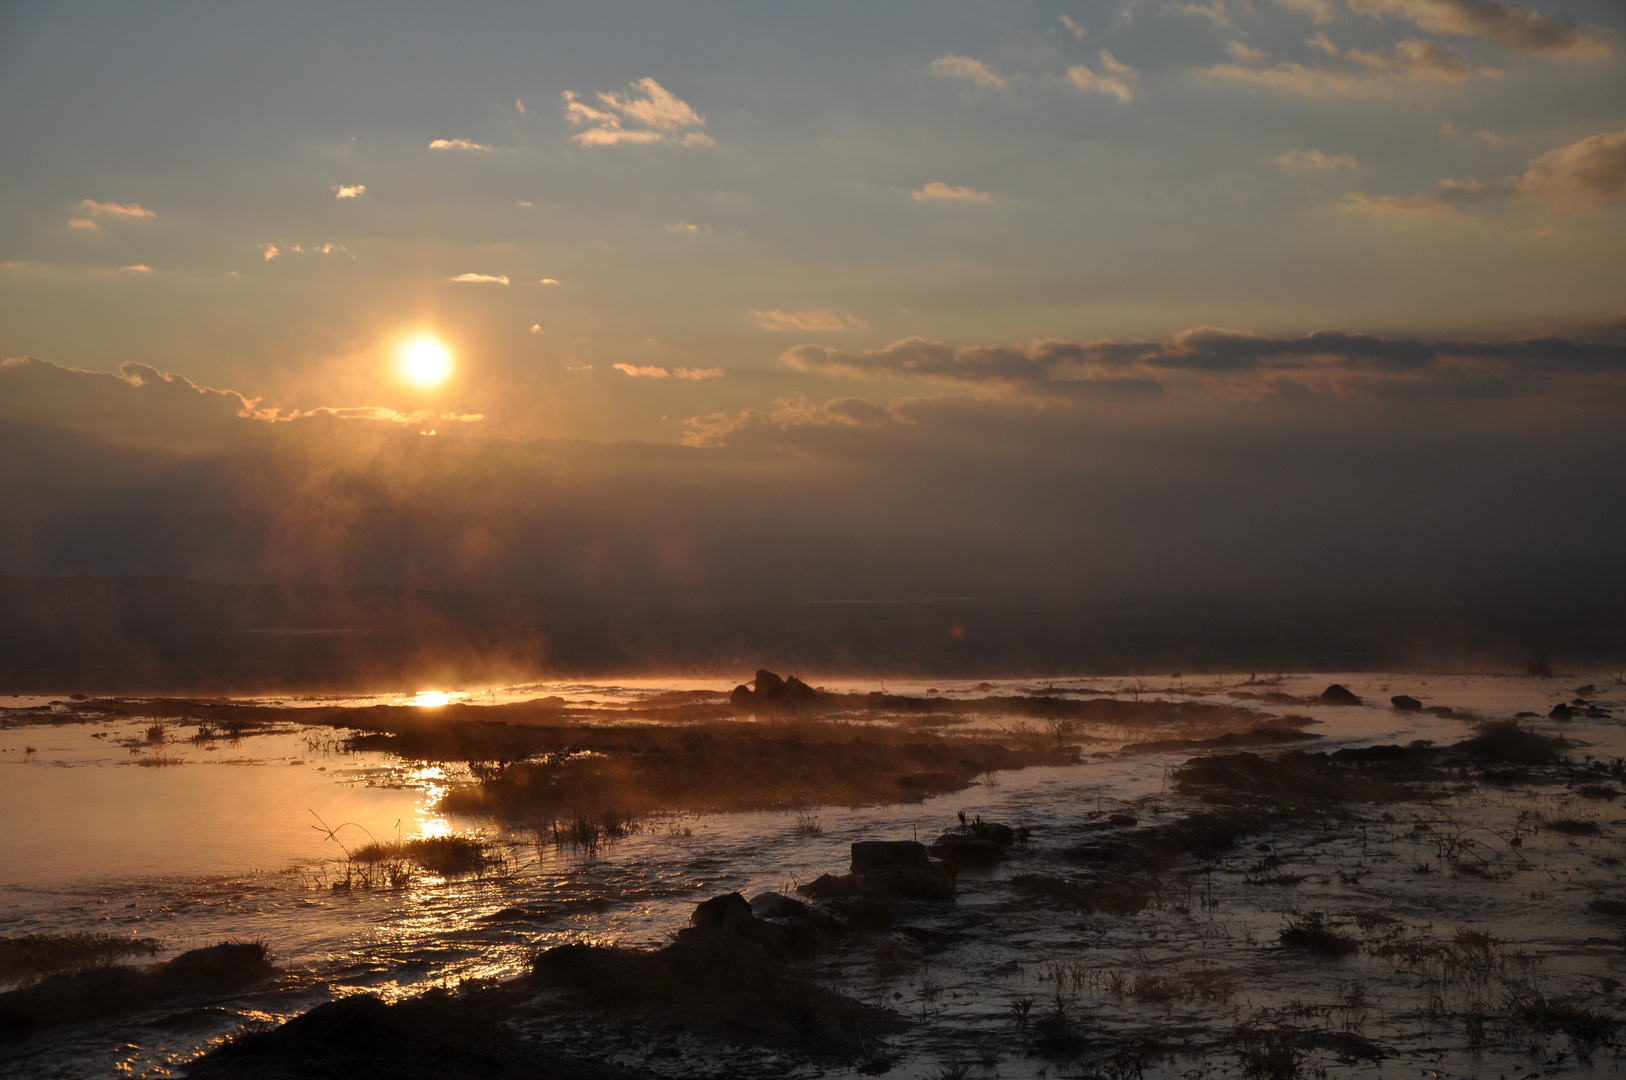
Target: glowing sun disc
{"x":424,"y":360}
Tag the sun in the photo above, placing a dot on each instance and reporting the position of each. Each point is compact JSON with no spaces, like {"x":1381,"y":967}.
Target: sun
{"x":423,"y":360}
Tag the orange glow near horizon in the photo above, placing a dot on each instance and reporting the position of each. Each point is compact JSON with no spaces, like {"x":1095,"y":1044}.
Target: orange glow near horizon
{"x":424,"y":361}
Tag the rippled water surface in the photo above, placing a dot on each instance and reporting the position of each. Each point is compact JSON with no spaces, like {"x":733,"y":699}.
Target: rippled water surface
{"x":113,"y":828}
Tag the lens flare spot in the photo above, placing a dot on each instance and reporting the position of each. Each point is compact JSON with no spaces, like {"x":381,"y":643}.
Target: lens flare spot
{"x":424,"y":361}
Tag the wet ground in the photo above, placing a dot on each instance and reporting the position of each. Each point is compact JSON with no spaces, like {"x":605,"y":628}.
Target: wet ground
{"x":1467,"y":928}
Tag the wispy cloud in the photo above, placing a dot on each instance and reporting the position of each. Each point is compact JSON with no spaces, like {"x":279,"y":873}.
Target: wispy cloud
{"x":1585,"y":172}
{"x":1360,"y":202}
{"x":480,"y":279}
{"x":648,"y":113}
{"x":1591,"y":170}
{"x":93,"y":210}
{"x":458,"y":144}
{"x":937,"y":191}
{"x":548,"y":281}
{"x":1411,"y":64}
{"x":1320,"y":11}
{"x":1315,"y":161}
{"x":646,"y":372}
{"x":138,"y":268}
{"x":806,"y":320}
{"x":788,"y":414}
{"x":1509,"y":25}
{"x":1111,"y":80}
{"x":117,"y":210}
{"x":967,"y":70}
{"x":697,"y":373}
{"x":1229,"y":362}
{"x":684,"y":228}
{"x":1074,"y":26}
{"x":519,"y":105}
{"x":349,"y":191}
{"x":1243,"y":53}
{"x":271,"y":251}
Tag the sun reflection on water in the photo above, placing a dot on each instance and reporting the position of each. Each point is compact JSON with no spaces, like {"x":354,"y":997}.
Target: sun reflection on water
{"x":430,"y":699}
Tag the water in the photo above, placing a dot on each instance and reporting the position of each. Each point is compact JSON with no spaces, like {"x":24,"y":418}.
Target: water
{"x":219,"y":843}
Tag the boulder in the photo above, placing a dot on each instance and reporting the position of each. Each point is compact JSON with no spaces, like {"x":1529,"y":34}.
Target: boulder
{"x":774,"y":692}
{"x":909,"y":882}
{"x":827,"y":886}
{"x":1406,"y":703}
{"x":720,"y":912}
{"x":967,"y":849}
{"x":772,"y":905}
{"x":870,"y":855}
{"x":862,"y":912}
{"x":1122,"y":821}
{"x":1338,"y":694}
{"x":1561,"y":711}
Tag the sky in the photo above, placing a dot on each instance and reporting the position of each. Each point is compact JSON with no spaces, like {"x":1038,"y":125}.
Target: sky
{"x":837,"y":300}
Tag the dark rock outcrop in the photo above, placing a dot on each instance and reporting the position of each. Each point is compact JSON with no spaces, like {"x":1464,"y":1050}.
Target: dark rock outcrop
{"x":777,"y":694}
{"x":108,"y":991}
{"x":1406,"y":703}
{"x":873,"y":854}
{"x":1338,"y":694}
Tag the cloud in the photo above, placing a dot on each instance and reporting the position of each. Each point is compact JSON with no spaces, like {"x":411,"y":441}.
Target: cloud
{"x":968,"y":70}
{"x":117,"y":210}
{"x":1208,"y":361}
{"x":1320,"y":11}
{"x":1509,"y":25}
{"x":1593,"y":169}
{"x":697,"y":373}
{"x":1110,"y":83}
{"x":655,"y":115}
{"x":520,"y":106}
{"x":138,"y":268}
{"x":480,"y":279}
{"x":1245,"y":53}
{"x":1315,"y":161}
{"x":1074,"y":26}
{"x":1361,"y":203}
{"x":788,"y":414}
{"x":806,"y":320}
{"x":460,"y":144}
{"x":548,"y":281}
{"x":349,"y":191}
{"x":536,"y":328}
{"x":937,"y":191}
{"x":94,"y":210}
{"x":684,"y":228}
{"x":1411,"y":64}
{"x":1584,"y":172}
{"x":647,"y":372}
{"x":271,"y":251}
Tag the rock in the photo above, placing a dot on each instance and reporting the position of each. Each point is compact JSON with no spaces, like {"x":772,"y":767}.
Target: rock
{"x":772,"y":905}
{"x":773,"y":692}
{"x":1561,"y":711}
{"x":872,"y":854}
{"x":1337,"y":694}
{"x":730,"y":914}
{"x":967,"y":850}
{"x":827,"y":886}
{"x":862,"y":912}
{"x":1406,"y":703}
{"x":718,"y":912}
{"x":911,"y":882}
{"x":1122,"y":821}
